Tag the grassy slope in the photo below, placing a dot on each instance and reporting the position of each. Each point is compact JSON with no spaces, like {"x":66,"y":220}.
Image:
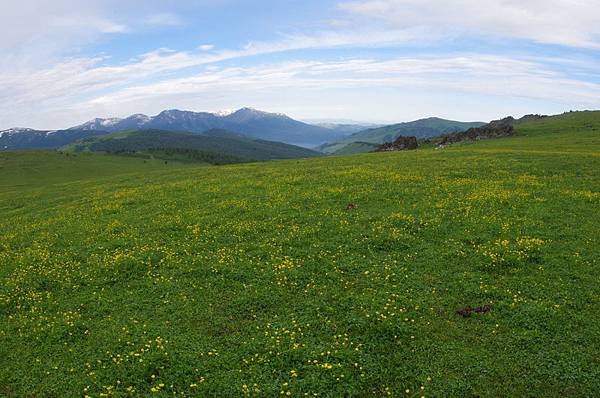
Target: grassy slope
{"x":423,"y":128}
{"x":253,"y":278}
{"x":32,"y":169}
{"x":357,"y":147}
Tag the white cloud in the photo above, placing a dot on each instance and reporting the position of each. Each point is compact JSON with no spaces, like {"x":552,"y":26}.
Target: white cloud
{"x":95,"y":24}
{"x":564,"y":22}
{"x":79,"y":76}
{"x":45,"y":28}
{"x":163,"y":19}
{"x":478,"y":74}
{"x":305,"y":84}
{"x":38,"y":80}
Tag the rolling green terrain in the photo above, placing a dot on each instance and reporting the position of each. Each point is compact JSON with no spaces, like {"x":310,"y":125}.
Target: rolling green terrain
{"x":357,"y":147}
{"x":213,"y":146}
{"x":260,"y":280}
{"x":424,"y":128}
{"x":33,"y":169}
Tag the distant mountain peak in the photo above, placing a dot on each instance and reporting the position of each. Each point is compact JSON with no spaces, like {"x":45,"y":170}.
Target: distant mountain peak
{"x":224,"y":113}
{"x":15,"y":130}
{"x":248,"y":112}
{"x":246,"y":121}
{"x":97,"y":124}
{"x":249,"y":109}
{"x":139,"y":116}
{"x":172,"y":112}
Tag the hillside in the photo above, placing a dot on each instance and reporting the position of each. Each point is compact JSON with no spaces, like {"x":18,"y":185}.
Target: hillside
{"x":213,"y":146}
{"x":424,"y":128}
{"x":470,"y":271}
{"x":357,"y":147}
{"x":346,"y":129}
{"x":34,"y":169}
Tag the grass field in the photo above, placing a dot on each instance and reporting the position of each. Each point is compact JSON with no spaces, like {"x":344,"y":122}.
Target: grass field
{"x":255,"y":280}
{"x":34,"y":169}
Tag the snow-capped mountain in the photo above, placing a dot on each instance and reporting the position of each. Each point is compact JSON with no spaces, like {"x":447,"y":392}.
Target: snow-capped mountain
{"x":23,"y":138}
{"x":98,"y":124}
{"x":223,"y":113}
{"x":14,"y":130}
{"x":248,"y":121}
{"x":114,"y":124}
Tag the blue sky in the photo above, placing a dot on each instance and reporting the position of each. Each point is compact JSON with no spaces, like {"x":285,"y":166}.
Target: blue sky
{"x":67,"y":61}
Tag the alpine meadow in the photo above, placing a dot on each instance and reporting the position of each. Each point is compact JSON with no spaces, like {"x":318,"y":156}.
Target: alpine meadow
{"x":318,"y":198}
{"x":260,"y":280}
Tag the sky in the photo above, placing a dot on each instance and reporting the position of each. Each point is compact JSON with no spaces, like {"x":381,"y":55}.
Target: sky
{"x":63,"y":62}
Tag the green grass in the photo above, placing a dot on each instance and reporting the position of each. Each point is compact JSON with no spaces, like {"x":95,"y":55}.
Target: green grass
{"x":357,"y":147}
{"x":32,"y":169}
{"x":254,"y":279}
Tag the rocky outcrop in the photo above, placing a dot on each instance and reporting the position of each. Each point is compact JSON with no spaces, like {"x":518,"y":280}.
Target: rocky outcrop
{"x":400,"y":144}
{"x":529,"y":118}
{"x":495,"y":129}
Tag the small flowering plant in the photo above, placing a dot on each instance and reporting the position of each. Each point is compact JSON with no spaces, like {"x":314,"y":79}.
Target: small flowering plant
{"x":507,"y":253}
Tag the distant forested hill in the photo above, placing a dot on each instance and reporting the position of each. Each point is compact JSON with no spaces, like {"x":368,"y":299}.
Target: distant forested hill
{"x":214,"y":146}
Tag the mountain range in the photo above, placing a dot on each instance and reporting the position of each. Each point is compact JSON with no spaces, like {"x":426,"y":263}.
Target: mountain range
{"x":331,"y":138}
{"x":24,"y":138}
{"x":247,"y":121}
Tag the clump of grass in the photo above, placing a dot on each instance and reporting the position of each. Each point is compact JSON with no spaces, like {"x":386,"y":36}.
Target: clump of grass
{"x":506,"y":253}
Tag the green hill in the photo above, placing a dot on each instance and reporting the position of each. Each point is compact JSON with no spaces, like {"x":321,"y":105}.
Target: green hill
{"x":260,"y":280}
{"x":214,"y":146}
{"x":424,"y":128}
{"x":31,"y":169}
{"x":357,"y":147}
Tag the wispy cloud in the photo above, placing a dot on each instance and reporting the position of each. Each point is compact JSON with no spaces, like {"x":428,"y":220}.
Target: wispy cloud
{"x":163,"y":19}
{"x":44,"y":28}
{"x":95,"y":24}
{"x":562,"y":22}
{"x":85,"y":75}
{"x":42,"y":69}
{"x":479,"y":75}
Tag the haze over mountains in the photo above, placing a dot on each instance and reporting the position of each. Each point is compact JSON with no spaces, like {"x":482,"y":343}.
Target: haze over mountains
{"x":24,"y":138}
{"x":249,"y":122}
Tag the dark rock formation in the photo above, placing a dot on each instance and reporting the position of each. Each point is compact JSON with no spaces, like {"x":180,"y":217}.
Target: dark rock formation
{"x":401,"y":144}
{"x":495,"y":129}
{"x":467,"y":311}
{"x":529,"y":118}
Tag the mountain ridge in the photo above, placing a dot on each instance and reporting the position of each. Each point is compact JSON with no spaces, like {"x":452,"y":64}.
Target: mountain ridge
{"x":421,"y":128}
{"x":249,"y":121}
{"x":25,"y":138}
{"x":276,"y":127}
